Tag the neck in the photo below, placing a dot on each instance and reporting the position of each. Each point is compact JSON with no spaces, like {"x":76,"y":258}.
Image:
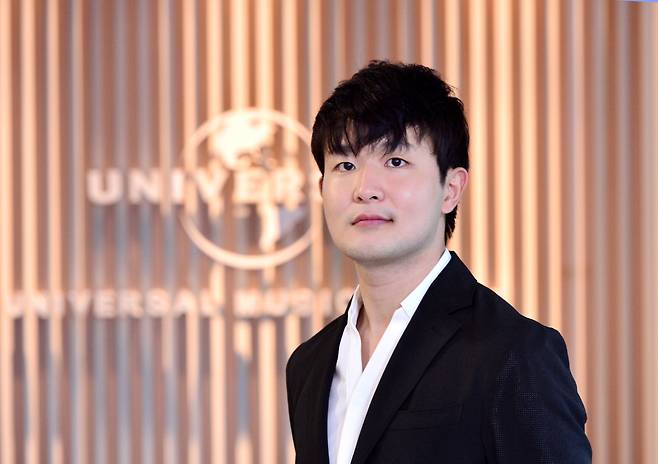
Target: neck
{"x":383,"y":287}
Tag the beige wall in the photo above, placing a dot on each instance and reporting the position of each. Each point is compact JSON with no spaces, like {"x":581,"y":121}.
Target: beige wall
{"x":561,"y":215}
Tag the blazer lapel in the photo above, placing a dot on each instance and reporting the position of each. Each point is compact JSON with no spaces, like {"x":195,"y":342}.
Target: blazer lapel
{"x":314,"y":399}
{"x":429,"y":330}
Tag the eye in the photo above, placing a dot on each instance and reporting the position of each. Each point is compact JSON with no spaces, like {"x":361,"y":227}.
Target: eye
{"x":345,"y":166}
{"x":396,"y":162}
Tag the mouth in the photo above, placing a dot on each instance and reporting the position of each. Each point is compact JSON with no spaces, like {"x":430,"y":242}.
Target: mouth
{"x":370,"y":220}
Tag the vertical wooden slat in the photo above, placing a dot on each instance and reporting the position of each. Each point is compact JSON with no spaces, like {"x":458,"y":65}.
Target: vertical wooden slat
{"x":529,"y":146}
{"x":338,"y":30}
{"x":478,"y":110}
{"x":652,"y":356}
{"x":244,"y":452}
{"x":166,"y":130}
{"x":554,"y":165}
{"x":264,"y":11}
{"x":240,"y":47}
{"x":28,"y":152}
{"x":427,"y":33}
{"x":623,"y":214}
{"x":7,"y":433}
{"x":453,"y":48}
{"x":267,"y":390}
{"x":600,"y":431}
{"x":192,"y":321}
{"x":648,"y":233}
{"x":218,"y":374}
{"x":146,"y":223}
{"x":240,"y":73}
{"x":218,"y":378}
{"x":504,"y":150}
{"x":405,"y":29}
{"x":28,"y":182}
{"x":650,"y":271}
{"x":290,"y":74}
{"x":356,"y":18}
{"x":123,"y":347}
{"x":164,"y":97}
{"x":98,"y":127}
{"x":383,"y":28}
{"x":55,"y":448}
{"x":77,"y":260}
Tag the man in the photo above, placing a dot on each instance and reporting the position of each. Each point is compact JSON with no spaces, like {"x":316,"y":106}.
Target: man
{"x":426,"y":365}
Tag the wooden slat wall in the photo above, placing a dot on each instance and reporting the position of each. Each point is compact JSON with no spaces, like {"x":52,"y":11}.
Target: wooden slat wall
{"x":561,"y":215}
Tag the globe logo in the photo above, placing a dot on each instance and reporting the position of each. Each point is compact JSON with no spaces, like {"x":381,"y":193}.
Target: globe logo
{"x":263,"y":152}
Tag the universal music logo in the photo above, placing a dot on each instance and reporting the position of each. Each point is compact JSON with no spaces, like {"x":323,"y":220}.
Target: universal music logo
{"x":247,"y":169}
{"x":242,"y":163}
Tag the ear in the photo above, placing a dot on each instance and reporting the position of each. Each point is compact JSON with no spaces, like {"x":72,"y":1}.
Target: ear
{"x":453,"y":188}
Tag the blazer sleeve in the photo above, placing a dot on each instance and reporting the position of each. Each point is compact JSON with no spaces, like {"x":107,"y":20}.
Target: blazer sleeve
{"x":535,"y":413}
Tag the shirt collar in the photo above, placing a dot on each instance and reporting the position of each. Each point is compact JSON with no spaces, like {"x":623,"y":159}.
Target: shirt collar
{"x":410,"y":303}
{"x":353,"y":310}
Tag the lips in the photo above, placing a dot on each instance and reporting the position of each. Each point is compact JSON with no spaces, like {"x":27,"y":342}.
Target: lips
{"x":370,"y":219}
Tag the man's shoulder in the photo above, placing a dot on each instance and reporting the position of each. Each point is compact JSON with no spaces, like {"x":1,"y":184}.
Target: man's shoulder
{"x":492,"y":313}
{"x":527,"y":385}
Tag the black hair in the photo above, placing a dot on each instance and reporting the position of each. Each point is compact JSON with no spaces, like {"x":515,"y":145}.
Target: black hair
{"x":380,"y":102}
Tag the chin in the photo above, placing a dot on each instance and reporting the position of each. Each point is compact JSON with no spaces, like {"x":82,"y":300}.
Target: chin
{"x":371,"y":255}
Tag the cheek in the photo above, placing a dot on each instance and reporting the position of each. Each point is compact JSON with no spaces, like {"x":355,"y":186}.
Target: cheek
{"x":328,"y":209}
{"x":333,"y":203}
{"x":407,"y":195}
{"x":415,"y":194}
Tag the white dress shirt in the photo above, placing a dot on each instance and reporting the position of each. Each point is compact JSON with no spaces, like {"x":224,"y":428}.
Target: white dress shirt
{"x":352,"y":388}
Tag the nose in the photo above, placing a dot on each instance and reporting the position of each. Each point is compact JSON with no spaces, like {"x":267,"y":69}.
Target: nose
{"x":368,"y":187}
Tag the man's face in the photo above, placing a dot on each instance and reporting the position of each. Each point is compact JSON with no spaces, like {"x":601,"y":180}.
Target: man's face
{"x":384,"y":208}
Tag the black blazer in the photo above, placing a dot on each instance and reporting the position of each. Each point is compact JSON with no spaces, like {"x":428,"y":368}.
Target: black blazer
{"x":470,"y":381}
